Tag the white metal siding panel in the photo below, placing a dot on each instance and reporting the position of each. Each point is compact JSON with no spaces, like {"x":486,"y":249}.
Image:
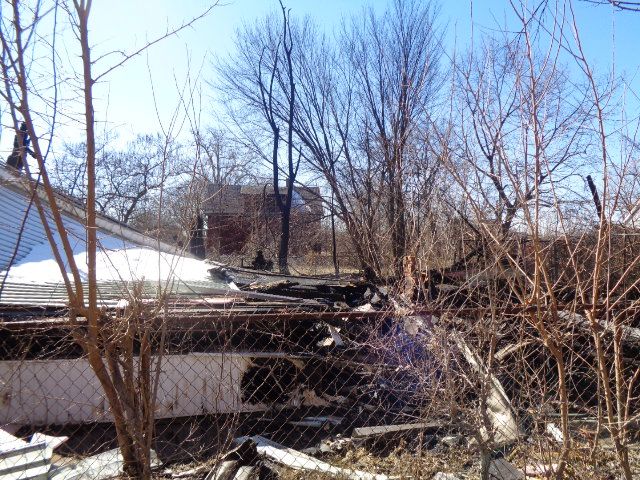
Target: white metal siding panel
{"x":40,"y":392}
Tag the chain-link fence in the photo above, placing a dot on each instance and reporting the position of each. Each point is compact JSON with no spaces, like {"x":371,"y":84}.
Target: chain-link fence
{"x":345,"y":380}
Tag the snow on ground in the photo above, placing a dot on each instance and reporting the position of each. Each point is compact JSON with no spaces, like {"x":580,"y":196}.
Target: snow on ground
{"x":117,"y":260}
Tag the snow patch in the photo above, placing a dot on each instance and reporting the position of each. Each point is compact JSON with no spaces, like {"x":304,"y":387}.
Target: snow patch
{"x":117,"y":260}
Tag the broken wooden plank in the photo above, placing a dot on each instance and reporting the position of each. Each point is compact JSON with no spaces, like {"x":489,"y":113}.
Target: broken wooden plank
{"x":510,"y":349}
{"x":333,"y":420}
{"x":394,"y":430}
{"x":317,"y":422}
{"x":308,"y":423}
{"x":300,"y":461}
{"x":384,"y":438}
{"x":499,"y":409}
{"x":246,"y":472}
{"x":501,"y":469}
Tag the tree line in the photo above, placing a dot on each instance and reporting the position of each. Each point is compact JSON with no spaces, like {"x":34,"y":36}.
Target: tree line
{"x":410,"y":138}
{"x":409,"y":135}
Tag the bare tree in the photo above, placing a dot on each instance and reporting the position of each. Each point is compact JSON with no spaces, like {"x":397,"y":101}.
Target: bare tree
{"x":503,"y":88}
{"x":219,"y":158}
{"x":525,"y":128}
{"x":629,"y":5}
{"x":363,"y":117}
{"x":127,"y":178}
{"x":260,"y":78}
{"x":395,"y":59}
{"x":129,"y":383}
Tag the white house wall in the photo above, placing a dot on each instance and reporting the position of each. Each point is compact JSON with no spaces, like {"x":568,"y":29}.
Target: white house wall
{"x":40,"y":392}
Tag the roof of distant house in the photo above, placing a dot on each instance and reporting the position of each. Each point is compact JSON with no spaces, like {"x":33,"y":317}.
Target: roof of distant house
{"x":230,"y":199}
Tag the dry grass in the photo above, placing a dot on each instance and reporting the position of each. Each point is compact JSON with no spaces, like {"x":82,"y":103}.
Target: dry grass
{"x":400,"y":463}
{"x":464,"y":462}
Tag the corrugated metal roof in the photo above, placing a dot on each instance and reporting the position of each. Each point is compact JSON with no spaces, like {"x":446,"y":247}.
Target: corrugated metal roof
{"x":22,"y":231}
{"x":17,"y":192}
{"x":109,"y":293}
{"x":20,"y":224}
{"x":15,"y":212}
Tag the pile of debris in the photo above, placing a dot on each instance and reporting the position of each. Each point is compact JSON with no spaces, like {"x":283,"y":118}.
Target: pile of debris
{"x":38,"y":459}
{"x":308,"y":369}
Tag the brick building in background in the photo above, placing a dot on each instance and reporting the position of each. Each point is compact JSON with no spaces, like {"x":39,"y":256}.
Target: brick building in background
{"x":246,"y":217}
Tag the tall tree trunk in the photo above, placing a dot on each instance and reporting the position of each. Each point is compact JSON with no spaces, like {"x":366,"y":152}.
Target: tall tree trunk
{"x":334,"y":246}
{"x":283,"y":250}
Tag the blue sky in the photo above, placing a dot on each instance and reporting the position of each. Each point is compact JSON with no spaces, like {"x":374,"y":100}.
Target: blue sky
{"x":608,"y":36}
{"x":125,"y":99}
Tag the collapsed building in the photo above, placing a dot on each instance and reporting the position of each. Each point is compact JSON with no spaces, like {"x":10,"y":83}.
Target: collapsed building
{"x":32,"y":296}
{"x":227,"y":351}
{"x":305,"y":361}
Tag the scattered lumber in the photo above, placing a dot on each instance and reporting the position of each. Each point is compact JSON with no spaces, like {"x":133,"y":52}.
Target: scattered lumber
{"x":246,"y":472}
{"x":299,"y":461}
{"x":187,"y":473}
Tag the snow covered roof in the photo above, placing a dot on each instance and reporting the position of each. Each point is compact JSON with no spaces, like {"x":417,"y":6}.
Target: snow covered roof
{"x":124,"y":254}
